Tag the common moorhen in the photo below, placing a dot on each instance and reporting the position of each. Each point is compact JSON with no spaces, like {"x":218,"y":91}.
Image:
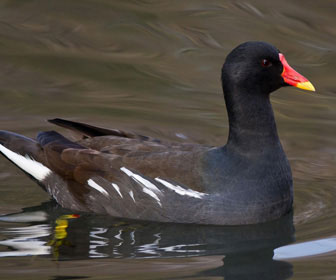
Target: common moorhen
{"x":127,"y":175}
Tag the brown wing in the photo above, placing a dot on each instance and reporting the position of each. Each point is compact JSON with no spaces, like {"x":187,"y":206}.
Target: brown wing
{"x":107,"y":150}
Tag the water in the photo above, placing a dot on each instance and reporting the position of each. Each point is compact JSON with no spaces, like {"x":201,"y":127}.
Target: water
{"x":154,"y":67}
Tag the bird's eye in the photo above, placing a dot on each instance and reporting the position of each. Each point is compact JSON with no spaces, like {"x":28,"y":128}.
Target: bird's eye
{"x":266,"y":63}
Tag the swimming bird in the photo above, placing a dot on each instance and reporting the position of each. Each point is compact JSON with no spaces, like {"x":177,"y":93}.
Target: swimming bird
{"x":122,"y":174}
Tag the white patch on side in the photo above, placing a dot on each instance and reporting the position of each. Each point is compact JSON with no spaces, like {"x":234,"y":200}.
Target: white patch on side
{"x":94,"y":185}
{"x":147,"y":187}
{"x":181,"y":135}
{"x":116,"y":187}
{"x":132,"y":195}
{"x":140,"y":179}
{"x":152,"y":194}
{"x":181,"y":191}
{"x":29,"y":165}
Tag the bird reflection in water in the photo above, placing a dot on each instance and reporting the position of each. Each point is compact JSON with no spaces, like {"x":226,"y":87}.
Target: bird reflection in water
{"x":247,"y":250}
{"x":60,"y":234}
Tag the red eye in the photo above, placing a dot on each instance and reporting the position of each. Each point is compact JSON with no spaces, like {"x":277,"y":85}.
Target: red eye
{"x":266,"y":63}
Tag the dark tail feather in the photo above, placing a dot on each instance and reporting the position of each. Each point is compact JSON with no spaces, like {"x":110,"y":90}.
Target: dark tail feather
{"x":55,"y":139}
{"x":20,"y":144}
{"x":89,"y":130}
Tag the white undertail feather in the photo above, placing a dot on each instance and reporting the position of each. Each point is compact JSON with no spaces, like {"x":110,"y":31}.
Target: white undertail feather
{"x":94,"y":185}
{"x":29,"y":165}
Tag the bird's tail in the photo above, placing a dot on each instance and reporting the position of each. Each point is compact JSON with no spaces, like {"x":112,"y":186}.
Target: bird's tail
{"x":25,"y":153}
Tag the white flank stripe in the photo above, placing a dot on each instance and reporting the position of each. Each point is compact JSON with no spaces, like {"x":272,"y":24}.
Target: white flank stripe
{"x":140,"y":179}
{"x":94,"y":185}
{"x":132,"y":195}
{"x":152,"y":194}
{"x":116,"y":187}
{"x":180,"y":190}
{"x":147,"y":187}
{"x":29,"y":165}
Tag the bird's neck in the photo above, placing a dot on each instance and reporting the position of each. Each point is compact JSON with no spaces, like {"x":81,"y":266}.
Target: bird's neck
{"x":251,"y":121}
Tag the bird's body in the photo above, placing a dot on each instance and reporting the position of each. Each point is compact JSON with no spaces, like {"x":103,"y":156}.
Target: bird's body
{"x":246,"y":181}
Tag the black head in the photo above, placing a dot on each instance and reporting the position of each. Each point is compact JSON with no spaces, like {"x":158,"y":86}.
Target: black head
{"x":250,"y":73}
{"x":253,"y":67}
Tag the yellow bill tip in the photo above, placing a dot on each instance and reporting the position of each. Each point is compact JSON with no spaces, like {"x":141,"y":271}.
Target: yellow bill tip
{"x":306,"y":86}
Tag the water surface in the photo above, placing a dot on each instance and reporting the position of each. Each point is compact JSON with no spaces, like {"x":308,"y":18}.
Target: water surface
{"x":154,"y":67}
